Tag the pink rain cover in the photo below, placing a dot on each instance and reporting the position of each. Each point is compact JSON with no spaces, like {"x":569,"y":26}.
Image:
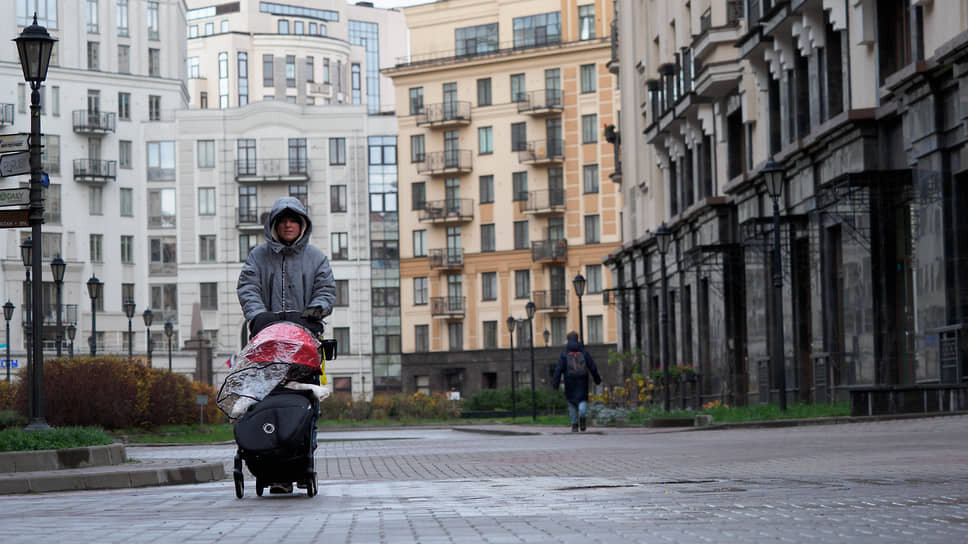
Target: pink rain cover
{"x":284,"y":343}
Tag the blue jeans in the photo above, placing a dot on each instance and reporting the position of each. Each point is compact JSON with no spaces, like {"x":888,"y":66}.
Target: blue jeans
{"x":577,"y":410}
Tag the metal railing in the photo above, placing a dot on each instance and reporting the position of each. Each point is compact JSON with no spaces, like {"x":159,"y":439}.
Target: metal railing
{"x":546,"y":151}
{"x":93,"y":121}
{"x":95,"y":170}
{"x":445,"y":113}
{"x":447,"y":306}
{"x":549,"y":200}
{"x":549,"y":250}
{"x":451,"y":257}
{"x":734,"y":12}
{"x":552,"y":299}
{"x":545,"y":100}
{"x":445,"y":162}
{"x":444,"y":211}
{"x":251,"y":217}
{"x":272,"y":168}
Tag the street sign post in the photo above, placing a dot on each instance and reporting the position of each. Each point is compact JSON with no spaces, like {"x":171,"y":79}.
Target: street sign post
{"x":15,"y":197}
{"x":13,"y":142}
{"x":13,"y":164}
{"x":11,"y":219}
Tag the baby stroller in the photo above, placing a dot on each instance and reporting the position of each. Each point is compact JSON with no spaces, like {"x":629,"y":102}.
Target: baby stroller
{"x":273,"y":394}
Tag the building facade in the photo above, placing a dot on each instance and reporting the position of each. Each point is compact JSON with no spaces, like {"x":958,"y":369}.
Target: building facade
{"x":862,"y":107}
{"x":504,"y":190}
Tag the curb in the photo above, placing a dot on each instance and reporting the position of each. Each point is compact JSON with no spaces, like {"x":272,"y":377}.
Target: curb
{"x":67,"y":458}
{"x":498,"y":432}
{"x":837,"y":420}
{"x":111,"y":478}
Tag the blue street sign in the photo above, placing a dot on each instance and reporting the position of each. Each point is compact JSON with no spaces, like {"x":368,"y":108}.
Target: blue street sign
{"x":14,"y":363}
{"x":44,"y":179}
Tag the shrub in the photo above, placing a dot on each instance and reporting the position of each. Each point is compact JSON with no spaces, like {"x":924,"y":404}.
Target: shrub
{"x":52,"y":439}
{"x":545,"y":399}
{"x":7,"y":392}
{"x":395,"y":407}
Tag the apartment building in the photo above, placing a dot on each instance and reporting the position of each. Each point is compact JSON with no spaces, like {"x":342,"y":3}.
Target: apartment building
{"x":117,"y":75}
{"x":504,"y":191}
{"x":287,"y":99}
{"x":861,"y":107}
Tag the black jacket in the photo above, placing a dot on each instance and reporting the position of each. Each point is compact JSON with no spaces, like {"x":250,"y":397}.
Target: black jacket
{"x":576,"y":388}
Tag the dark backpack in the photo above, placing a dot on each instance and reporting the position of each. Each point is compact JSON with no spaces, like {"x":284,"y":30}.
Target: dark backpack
{"x":278,"y":425}
{"x":577,"y":366}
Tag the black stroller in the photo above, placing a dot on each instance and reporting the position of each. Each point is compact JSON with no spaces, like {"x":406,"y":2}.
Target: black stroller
{"x":274,"y":392}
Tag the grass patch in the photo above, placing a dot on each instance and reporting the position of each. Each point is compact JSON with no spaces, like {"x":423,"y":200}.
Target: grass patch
{"x":741,"y":414}
{"x":180,"y":434}
{"x":53,"y":439}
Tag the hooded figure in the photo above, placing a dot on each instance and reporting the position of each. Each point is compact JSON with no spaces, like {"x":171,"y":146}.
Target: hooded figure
{"x":286,"y":278}
{"x":576,"y":383}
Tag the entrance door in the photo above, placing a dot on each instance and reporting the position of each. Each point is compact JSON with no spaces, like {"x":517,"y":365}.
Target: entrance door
{"x":557,"y":275}
{"x":450,"y":101}
{"x":451,"y":158}
{"x":801,"y":319}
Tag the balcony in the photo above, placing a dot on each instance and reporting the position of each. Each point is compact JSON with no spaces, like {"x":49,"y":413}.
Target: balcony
{"x":554,"y":300}
{"x":451,"y":258}
{"x":613,"y":62}
{"x":6,"y":115}
{"x":543,"y":102}
{"x":549,"y":251}
{"x":448,"y":307}
{"x":442,"y":163}
{"x":543,"y":153}
{"x":447,"y":211}
{"x":93,"y":122}
{"x":95,"y":171}
{"x":551,"y":201}
{"x":267,"y":170}
{"x":445,"y":115}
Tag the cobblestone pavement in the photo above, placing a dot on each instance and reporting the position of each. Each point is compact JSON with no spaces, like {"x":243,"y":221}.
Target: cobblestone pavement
{"x":891,"y":481}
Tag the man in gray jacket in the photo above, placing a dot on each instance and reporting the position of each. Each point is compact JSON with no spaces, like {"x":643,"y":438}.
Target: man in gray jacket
{"x":286,"y":278}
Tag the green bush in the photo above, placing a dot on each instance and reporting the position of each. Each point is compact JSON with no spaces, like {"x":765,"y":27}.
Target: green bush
{"x":545,"y":399}
{"x":400,"y":407}
{"x":52,"y":439}
{"x":10,"y":418}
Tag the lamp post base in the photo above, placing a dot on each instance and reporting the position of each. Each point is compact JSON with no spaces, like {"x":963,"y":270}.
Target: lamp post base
{"x":37,"y":424}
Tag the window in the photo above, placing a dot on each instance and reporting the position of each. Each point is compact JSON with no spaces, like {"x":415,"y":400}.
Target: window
{"x":95,"y":200}
{"x":421,"y":338}
{"x":291,"y":71}
{"x":124,"y":154}
{"x":208,"y":292}
{"x":420,"y":243}
{"x":489,"y":286}
{"x":92,"y":60}
{"x":342,"y":293}
{"x":326,"y":78}
{"x":127,"y":249}
{"x":356,"y":86}
{"x":206,"y":201}
{"x":267,"y":79}
{"x":485,"y":140}
{"x":163,"y":255}
{"x":337,"y":198}
{"x":206,"y":153}
{"x":310,"y":77}
{"x":416,"y":100}
{"x":455,"y":335}
{"x":588,"y":83}
{"x":522,"y":284}
{"x":593,"y":278}
{"x":298,"y":156}
{"x":122,"y":12}
{"x":484,"y":92}
{"x":224,"y":26}
{"x":518,"y":89}
{"x":45,"y":11}
{"x":223,"y":80}
{"x":154,"y":108}
{"x":55,"y":100}
{"x":152,"y":17}
{"x":193,"y":31}
{"x":124,"y":59}
{"x":154,"y":62}
{"x":589,"y":128}
{"x":590,"y":178}
{"x":586,"y":22}
{"x":385,"y":297}
{"x":283,"y":26}
{"x":203,"y":100}
{"x":96,"y":241}
{"x":161,"y":161}
{"x":342,"y":337}
{"x":519,"y":184}
{"x":418,"y":195}
{"x":124,"y":106}
{"x":340,"y":246}
{"x":161,"y":208}
{"x":92,"y":27}
{"x":126,"y":197}
{"x":521,"y":235}
{"x":193,"y":68}
{"x":592,"y":229}
{"x":486,"y":189}
{"x":337,"y":151}
{"x":301,"y":193}
{"x":594,"y":330}
{"x":537,"y":30}
{"x":519,"y":136}
{"x":243,"y":78}
{"x":164,"y":297}
{"x":417,"y":150}
{"x":476,"y":40}
{"x":420,"y":291}
{"x":487,"y":238}
{"x":50,"y":155}
{"x":246,"y":243}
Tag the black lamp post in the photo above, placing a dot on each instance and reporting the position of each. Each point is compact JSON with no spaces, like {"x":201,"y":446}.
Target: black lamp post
{"x":511,"y":321}
{"x":148,"y":316}
{"x":57,"y":268}
{"x":129,"y":312}
{"x":663,"y":237}
{"x":169,"y":330}
{"x":95,"y":289}
{"x":773,"y":174}
{"x":7,"y":314}
{"x":71,"y":331}
{"x":579,"y":283}
{"x":530,"y":308}
{"x":27,"y":257}
{"x":547,"y":336}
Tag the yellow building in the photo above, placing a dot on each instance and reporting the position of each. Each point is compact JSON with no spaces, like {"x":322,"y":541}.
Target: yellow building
{"x":504,"y":191}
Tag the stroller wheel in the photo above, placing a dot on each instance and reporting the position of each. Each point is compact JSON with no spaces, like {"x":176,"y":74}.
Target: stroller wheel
{"x":239,"y":485}
{"x":259,"y":487}
{"x":311,"y":489}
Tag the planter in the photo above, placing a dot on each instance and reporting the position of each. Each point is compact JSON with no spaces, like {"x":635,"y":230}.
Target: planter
{"x":671,"y":422}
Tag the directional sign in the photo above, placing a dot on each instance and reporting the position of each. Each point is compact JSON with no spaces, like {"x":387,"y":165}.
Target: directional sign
{"x":14,"y":197}
{"x":14,"y":218}
{"x":13,"y":142}
{"x":14,"y":163}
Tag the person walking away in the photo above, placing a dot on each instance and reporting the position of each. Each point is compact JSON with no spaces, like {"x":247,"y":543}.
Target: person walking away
{"x":576,"y":365}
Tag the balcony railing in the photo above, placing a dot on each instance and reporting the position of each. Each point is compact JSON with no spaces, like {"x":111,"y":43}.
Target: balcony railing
{"x":246,"y":218}
{"x":95,"y":170}
{"x":93,"y":122}
{"x":448,"y":258}
{"x":457,"y":210}
{"x":455,"y":161}
{"x":613,"y":62}
{"x":543,"y":102}
{"x":553,"y":300}
{"x":68,"y":315}
{"x":445,"y":114}
{"x":547,"y":201}
{"x":272,"y":170}
{"x":734,"y":12}
{"x":549,"y":251}
{"x":543,"y":152}
{"x":447,"y":306}
{"x":6,"y":114}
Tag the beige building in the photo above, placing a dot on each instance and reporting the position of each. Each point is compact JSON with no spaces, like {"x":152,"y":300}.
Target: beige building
{"x":856,"y":105}
{"x":505,"y":193}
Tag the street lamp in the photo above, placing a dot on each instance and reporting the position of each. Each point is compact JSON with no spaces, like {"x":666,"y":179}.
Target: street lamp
{"x":95,"y":289}
{"x":529,"y":308}
{"x":169,"y":330}
{"x":579,"y":283}
{"x":547,"y":336}
{"x":34,"y":46}
{"x":129,"y":312}
{"x":511,"y":321}
{"x":57,"y":268}
{"x":7,"y":314}
{"x":148,"y":316}
{"x":773,"y":174}
{"x":71,"y":331}
{"x":663,"y":237}
{"x":27,"y":257}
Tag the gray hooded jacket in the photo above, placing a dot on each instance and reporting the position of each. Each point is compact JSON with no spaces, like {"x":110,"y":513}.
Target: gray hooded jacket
{"x":286,"y":278}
